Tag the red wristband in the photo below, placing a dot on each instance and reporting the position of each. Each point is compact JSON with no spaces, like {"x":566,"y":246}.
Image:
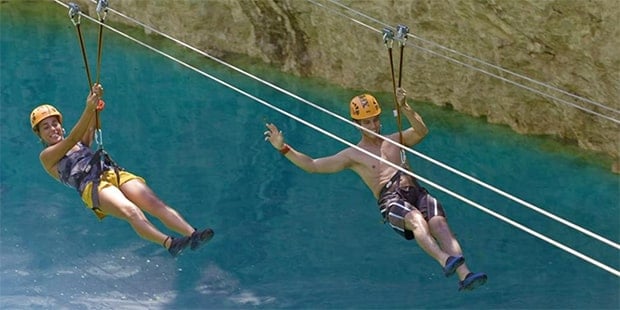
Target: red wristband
{"x":285,"y":149}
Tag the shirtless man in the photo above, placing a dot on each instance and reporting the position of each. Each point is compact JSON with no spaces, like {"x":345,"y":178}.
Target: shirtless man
{"x":409,"y":209}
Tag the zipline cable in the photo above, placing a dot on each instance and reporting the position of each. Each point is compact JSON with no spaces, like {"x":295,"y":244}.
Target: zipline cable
{"x":536,"y":91}
{"x":410,"y":150}
{"x":335,"y":137}
{"x":75,"y":16}
{"x":388,"y":41}
{"x":102,"y":12}
{"x":401,"y":37}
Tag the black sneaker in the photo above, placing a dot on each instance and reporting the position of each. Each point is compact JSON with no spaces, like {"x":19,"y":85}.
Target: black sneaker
{"x":199,"y":238}
{"x":177,"y":245}
{"x":472,"y":281}
{"x":452,"y":263}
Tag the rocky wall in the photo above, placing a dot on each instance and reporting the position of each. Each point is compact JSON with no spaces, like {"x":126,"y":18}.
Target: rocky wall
{"x":570,"y":45}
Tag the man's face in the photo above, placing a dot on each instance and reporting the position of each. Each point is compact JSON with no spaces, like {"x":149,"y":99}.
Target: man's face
{"x":372,"y":123}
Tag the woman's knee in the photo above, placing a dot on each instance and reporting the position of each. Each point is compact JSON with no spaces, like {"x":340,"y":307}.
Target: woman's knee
{"x":115,"y":203}
{"x":129,"y":212}
{"x":142,"y":195}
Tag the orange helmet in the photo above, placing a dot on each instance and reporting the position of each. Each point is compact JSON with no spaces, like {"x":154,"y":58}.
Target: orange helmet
{"x":42,"y":112}
{"x":364,"y":106}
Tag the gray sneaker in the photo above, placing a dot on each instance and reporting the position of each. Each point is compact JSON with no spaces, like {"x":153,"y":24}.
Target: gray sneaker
{"x":177,"y":245}
{"x":199,"y":238}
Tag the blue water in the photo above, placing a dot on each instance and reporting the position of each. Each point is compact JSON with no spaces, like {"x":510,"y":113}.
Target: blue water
{"x":284,"y":238}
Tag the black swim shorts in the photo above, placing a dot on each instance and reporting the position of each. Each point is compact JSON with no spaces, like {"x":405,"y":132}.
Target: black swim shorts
{"x":395,"y":202}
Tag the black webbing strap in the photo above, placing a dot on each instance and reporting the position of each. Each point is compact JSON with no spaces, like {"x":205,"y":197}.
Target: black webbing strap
{"x":102,"y":160}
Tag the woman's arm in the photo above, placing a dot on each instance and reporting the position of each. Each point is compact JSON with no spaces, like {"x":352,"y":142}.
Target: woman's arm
{"x":52,"y":154}
{"x":89,"y":136}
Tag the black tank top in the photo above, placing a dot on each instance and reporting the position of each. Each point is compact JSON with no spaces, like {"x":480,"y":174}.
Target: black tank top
{"x":77,"y":169}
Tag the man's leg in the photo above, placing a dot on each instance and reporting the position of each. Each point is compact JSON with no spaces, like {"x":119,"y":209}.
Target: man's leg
{"x":414,"y":221}
{"x":440,"y":230}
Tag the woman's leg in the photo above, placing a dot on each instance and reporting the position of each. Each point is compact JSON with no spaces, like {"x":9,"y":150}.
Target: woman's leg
{"x":113,"y":202}
{"x":139,"y":193}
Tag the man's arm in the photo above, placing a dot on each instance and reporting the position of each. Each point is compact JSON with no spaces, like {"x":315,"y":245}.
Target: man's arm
{"x":329,"y":164}
{"x":418,"y":129}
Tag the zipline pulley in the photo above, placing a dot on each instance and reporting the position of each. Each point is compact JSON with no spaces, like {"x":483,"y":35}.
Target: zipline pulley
{"x":102,"y":9}
{"x":74,"y":13}
{"x":401,"y":34}
{"x":388,"y":37}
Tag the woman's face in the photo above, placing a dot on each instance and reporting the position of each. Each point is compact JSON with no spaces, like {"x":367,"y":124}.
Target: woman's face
{"x":50,"y":130}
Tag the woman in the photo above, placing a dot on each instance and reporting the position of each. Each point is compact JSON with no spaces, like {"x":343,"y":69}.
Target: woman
{"x":103,"y":186}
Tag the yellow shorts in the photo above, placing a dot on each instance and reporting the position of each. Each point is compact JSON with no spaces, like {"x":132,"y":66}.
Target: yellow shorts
{"x":107,"y":179}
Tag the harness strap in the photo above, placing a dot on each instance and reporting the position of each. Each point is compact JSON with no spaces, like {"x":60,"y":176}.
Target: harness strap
{"x":100,"y":160}
{"x":394,"y":180}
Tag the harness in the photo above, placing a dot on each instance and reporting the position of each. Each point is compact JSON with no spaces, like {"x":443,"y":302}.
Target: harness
{"x":395,"y":180}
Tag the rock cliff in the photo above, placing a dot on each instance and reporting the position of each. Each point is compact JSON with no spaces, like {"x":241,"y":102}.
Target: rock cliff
{"x":569,"y":46}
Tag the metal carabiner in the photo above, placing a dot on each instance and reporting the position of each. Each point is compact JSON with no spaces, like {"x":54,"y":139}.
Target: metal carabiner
{"x":99,"y":138}
{"x":74,"y":13}
{"x":401,"y":34}
{"x":102,"y":9}
{"x":388,"y":37}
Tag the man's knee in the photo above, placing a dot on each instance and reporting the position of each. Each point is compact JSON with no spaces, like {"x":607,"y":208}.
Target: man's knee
{"x":415,"y":220}
{"x":439,"y":225}
{"x":438,"y":221}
